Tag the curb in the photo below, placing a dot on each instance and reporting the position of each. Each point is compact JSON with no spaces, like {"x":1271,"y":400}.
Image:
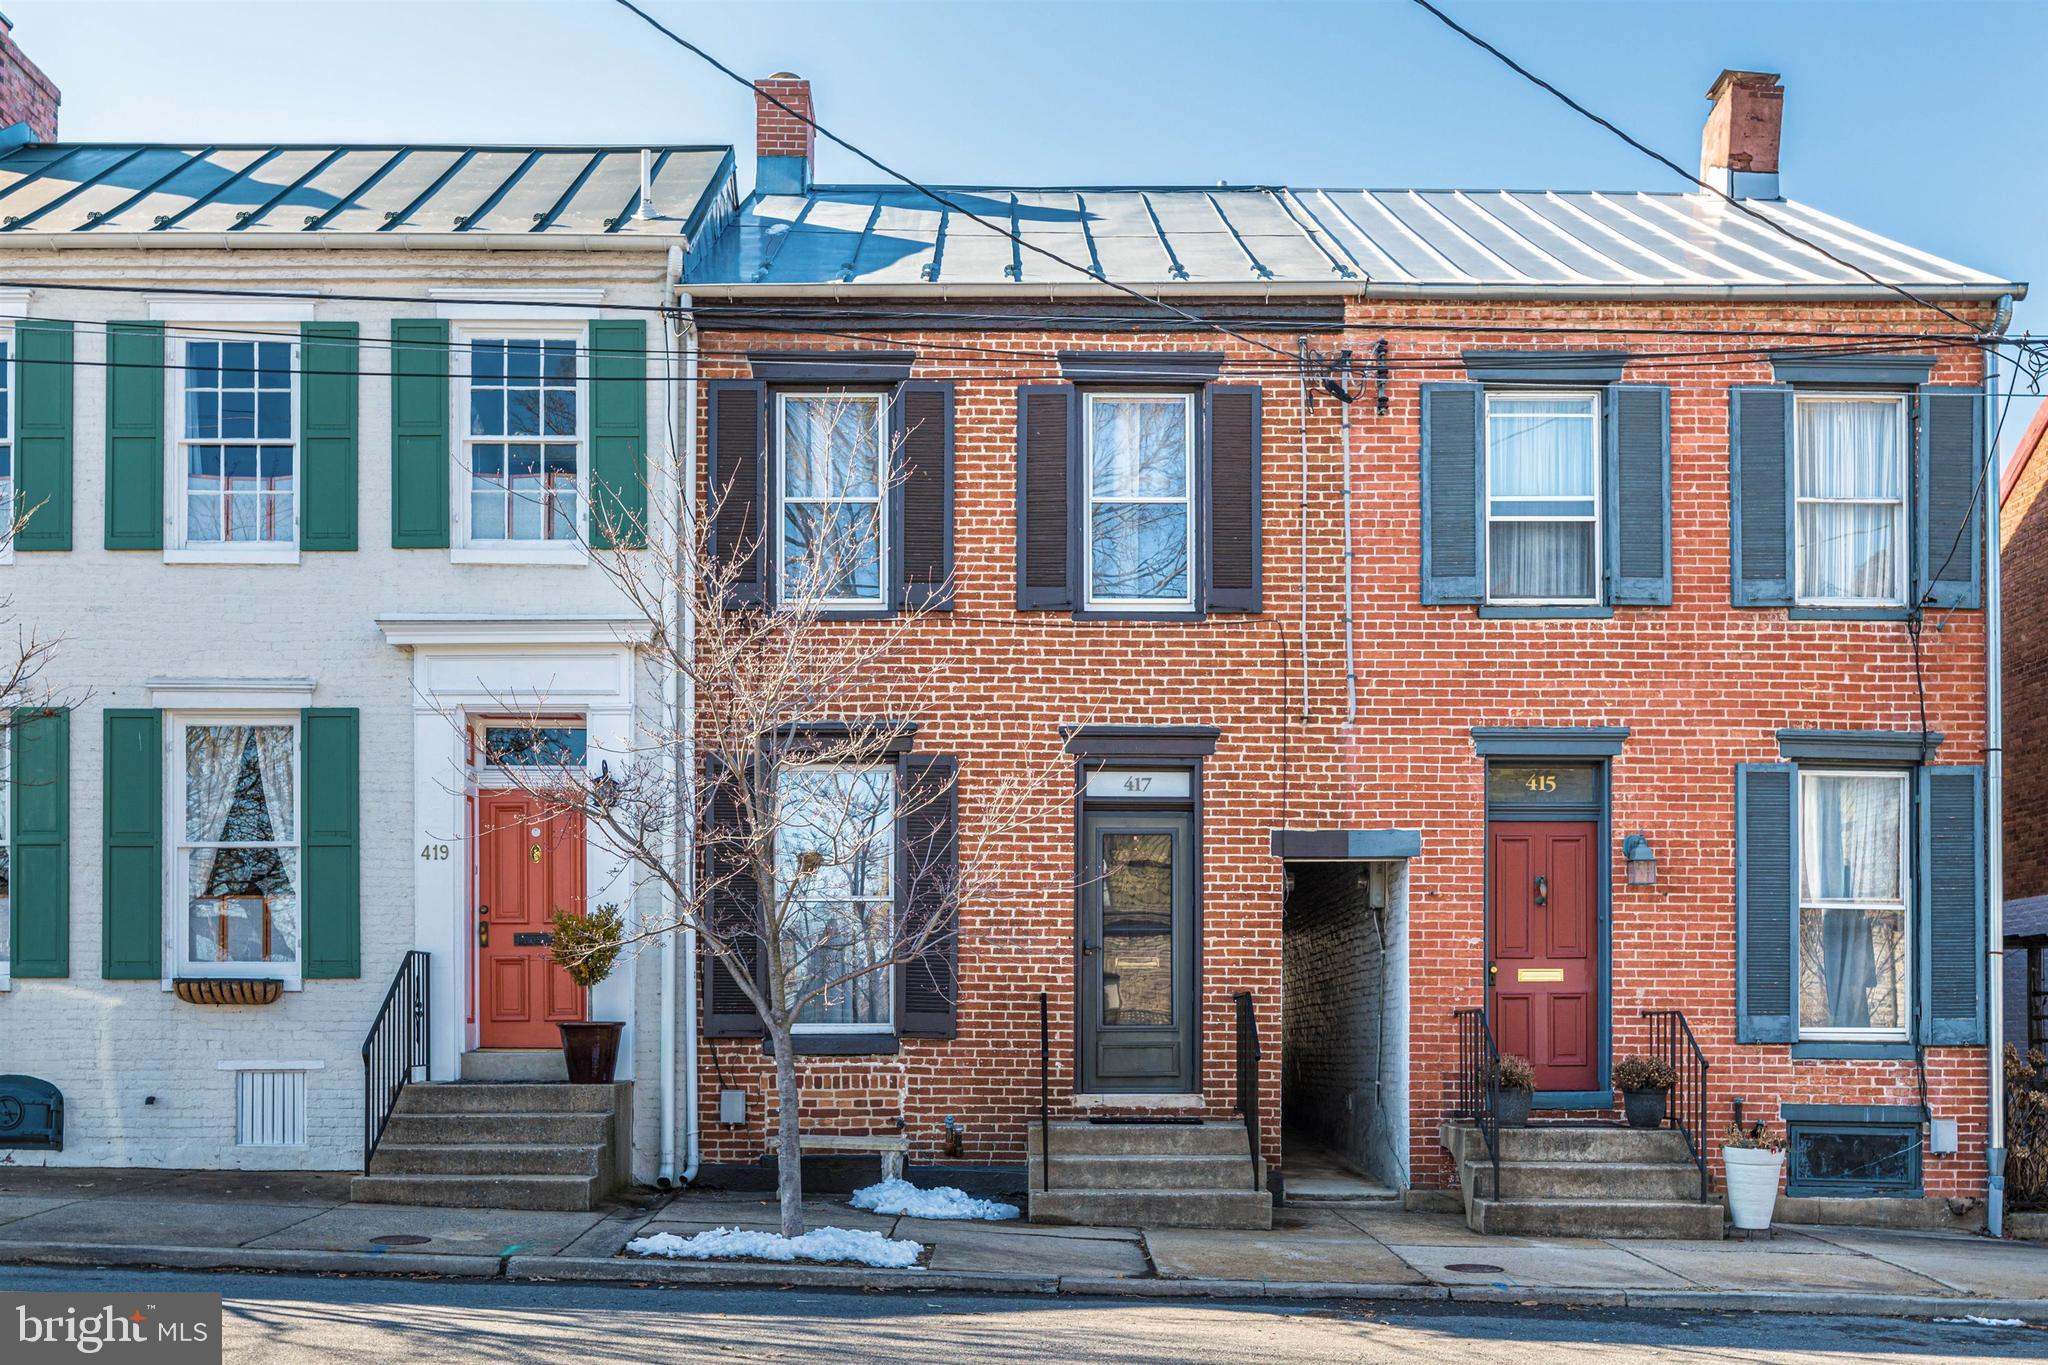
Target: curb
{"x":277,"y":1259}
{"x":612,"y":1269}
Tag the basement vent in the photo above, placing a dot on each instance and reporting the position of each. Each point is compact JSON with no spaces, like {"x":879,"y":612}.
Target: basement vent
{"x":270,"y":1108}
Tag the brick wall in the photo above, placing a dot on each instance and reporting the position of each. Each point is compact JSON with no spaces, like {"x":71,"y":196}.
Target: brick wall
{"x":2023,"y":532}
{"x":26,"y":94}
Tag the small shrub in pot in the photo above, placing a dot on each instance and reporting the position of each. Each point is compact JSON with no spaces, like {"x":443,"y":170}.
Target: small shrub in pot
{"x":1645,"y":1085}
{"x":1514,"y":1085}
{"x":586,"y":947}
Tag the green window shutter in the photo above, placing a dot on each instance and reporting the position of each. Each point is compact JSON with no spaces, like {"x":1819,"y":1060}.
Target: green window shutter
{"x":39,"y":803}
{"x":1952,"y":906}
{"x":1950,"y":544}
{"x":132,"y":848}
{"x":42,"y":435}
{"x":1766,"y":909}
{"x":327,"y":435}
{"x":1453,"y":467}
{"x":135,"y":436}
{"x":618,"y":434}
{"x":330,"y":863}
{"x":1639,"y":495}
{"x":1760,"y":494}
{"x":419,"y":434}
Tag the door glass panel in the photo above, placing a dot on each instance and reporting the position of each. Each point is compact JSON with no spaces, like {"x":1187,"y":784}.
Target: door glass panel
{"x":1542,"y":784}
{"x":1137,"y":928}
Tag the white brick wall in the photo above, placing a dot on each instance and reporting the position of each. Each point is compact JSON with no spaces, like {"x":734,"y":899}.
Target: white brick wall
{"x":136,"y":1065}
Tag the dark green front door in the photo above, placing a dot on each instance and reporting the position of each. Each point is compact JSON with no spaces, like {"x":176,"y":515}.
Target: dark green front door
{"x":1137,"y":963}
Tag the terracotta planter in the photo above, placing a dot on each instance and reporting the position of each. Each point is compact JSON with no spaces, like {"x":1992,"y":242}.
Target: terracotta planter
{"x":1645,"y":1108}
{"x":1512,"y":1107}
{"x":1752,"y":1185}
{"x":591,"y":1051}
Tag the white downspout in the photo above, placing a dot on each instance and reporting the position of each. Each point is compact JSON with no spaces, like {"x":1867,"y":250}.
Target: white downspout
{"x":1994,"y":802}
{"x":683,"y":696}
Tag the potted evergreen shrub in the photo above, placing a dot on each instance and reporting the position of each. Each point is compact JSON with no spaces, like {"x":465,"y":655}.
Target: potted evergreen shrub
{"x":1514,"y":1085}
{"x":1753,"y":1160}
{"x":586,"y":946}
{"x":1645,"y":1084}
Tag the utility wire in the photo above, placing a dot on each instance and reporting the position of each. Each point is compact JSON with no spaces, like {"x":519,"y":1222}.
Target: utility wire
{"x":1469,"y":36}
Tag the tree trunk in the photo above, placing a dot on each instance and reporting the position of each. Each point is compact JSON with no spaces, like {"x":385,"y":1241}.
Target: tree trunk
{"x":789,"y":1170}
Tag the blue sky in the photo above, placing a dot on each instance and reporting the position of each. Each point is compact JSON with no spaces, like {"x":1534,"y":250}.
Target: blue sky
{"x":1899,"y":116}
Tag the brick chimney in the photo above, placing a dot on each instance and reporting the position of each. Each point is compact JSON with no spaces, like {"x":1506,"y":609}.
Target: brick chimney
{"x":784,"y":146}
{"x":1739,"y":147}
{"x":28,"y":98}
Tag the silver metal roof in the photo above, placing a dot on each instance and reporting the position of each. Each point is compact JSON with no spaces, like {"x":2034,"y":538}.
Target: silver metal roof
{"x":104,"y":191}
{"x":1270,"y":238}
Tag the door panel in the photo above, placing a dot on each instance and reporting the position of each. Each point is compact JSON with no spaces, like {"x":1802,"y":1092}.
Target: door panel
{"x":1546,"y":961}
{"x":530,"y":864}
{"x":1137,"y":953}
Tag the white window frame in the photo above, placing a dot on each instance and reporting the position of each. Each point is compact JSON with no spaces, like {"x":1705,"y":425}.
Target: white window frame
{"x":1907,"y":987}
{"x":10,"y":410}
{"x":887,"y":1026}
{"x":1902,"y":524}
{"x":1089,"y":501}
{"x":179,"y":549}
{"x":177,"y":960}
{"x":464,"y":548}
{"x":1596,"y":401}
{"x":881,"y":500}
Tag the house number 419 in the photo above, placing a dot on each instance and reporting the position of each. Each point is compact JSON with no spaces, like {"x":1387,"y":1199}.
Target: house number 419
{"x":434,"y":853}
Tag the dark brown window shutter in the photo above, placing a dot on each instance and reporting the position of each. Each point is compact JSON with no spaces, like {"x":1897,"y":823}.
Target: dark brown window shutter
{"x":738,"y":439}
{"x":734,"y":909}
{"x":928,"y":864}
{"x":924,"y":497}
{"x":1048,"y":480}
{"x":1234,"y":506}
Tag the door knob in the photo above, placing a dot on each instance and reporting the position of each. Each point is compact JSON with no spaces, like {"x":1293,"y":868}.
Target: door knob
{"x":1090,"y":949}
{"x":1543,"y":890}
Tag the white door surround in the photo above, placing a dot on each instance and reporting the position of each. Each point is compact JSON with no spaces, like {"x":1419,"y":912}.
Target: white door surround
{"x":469,"y":666}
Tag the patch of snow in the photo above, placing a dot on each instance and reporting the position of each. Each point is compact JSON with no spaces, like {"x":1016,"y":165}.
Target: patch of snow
{"x":819,"y":1244}
{"x":1986,"y":1322}
{"x":900,"y":1196}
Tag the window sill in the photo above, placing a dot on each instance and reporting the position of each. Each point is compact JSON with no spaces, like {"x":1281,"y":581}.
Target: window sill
{"x":208,"y":555}
{"x":1172,"y":614}
{"x":1488,"y":612}
{"x":1835,"y":1049}
{"x":1871,"y":613}
{"x":568,"y":557}
{"x":877,"y":1043}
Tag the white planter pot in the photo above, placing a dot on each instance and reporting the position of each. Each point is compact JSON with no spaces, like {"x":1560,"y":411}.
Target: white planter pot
{"x":1752,"y":1185}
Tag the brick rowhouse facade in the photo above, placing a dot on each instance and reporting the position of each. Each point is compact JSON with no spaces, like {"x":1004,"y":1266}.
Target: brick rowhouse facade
{"x":2023,"y":533}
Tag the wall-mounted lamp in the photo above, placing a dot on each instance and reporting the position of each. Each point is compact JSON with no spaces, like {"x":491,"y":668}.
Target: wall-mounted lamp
{"x":1642,"y":860}
{"x":604,"y":792}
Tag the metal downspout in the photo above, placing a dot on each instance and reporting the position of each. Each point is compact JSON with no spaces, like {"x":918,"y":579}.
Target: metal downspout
{"x":685,"y":714}
{"x":1350,"y":586}
{"x":665,"y":1176}
{"x":1994,"y":802}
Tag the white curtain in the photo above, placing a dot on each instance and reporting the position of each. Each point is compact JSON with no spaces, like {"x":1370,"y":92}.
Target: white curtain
{"x":1852,"y":958}
{"x":1540,"y":454}
{"x":1851,"y":453}
{"x":274,"y":753}
{"x":213,"y":762}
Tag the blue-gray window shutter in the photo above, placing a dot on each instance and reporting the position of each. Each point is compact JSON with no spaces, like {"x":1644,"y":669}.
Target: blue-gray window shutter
{"x":1639,"y":495}
{"x":1766,"y":904}
{"x":1952,"y":908}
{"x":928,"y":858}
{"x":1760,"y":494}
{"x":1950,"y":547}
{"x":736,"y":439}
{"x":733,"y":906}
{"x":1233,"y":528}
{"x":1453,"y":444}
{"x":1049,"y":536}
{"x":922,"y":538}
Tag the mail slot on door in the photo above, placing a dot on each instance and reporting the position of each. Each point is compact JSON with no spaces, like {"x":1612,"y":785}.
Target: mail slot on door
{"x":532,"y":940}
{"x":1539,"y":973}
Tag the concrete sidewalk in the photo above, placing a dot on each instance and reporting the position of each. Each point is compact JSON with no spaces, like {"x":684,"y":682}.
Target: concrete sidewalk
{"x":278,"y":1221}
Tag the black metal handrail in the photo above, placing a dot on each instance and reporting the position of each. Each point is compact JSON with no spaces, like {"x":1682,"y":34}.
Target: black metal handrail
{"x":399,"y":1041}
{"x":1044,"y":1093}
{"x":1248,"y":1056}
{"x":1671,"y":1039}
{"x":1475,"y":1088}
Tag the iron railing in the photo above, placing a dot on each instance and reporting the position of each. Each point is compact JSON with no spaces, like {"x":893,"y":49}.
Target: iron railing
{"x":1686,"y":1109}
{"x":1248,"y":1055}
{"x":1475,"y":1088}
{"x":398,"y":1042}
{"x":1044,"y":1093}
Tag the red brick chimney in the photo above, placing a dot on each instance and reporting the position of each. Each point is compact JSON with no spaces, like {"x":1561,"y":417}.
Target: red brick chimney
{"x":27,"y":96}
{"x":784,"y":145}
{"x":1739,"y":147}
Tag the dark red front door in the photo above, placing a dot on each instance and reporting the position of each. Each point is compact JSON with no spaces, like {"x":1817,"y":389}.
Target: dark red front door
{"x":530,"y":864}
{"x":1546,"y":949}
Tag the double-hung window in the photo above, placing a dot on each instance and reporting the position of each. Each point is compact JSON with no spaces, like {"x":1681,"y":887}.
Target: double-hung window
{"x":237,"y":449}
{"x":234,"y":797}
{"x":1543,"y":498}
{"x":1140,"y":549}
{"x":1850,"y":487}
{"x":834,"y":480}
{"x":835,"y":856}
{"x":1853,"y":924}
{"x":522,"y":480}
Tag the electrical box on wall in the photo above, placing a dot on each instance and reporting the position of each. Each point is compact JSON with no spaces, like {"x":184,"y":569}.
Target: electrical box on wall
{"x":732,"y":1106}
{"x":1941,"y":1137}
{"x":1379,"y":878}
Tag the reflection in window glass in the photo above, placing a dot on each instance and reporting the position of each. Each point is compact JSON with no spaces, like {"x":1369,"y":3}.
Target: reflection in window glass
{"x":6,"y":866}
{"x":1851,"y":499}
{"x":533,"y":746}
{"x":1852,"y":903}
{"x":1542,"y":485}
{"x":239,"y":445}
{"x":1848,"y":1159}
{"x":239,"y":844}
{"x":1140,"y":455}
{"x":524,"y":439}
{"x":835,"y":853}
{"x":1137,"y":928}
{"x":834,"y":478}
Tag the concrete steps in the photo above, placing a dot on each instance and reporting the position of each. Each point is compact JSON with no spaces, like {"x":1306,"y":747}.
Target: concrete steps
{"x":1583,"y":1180}
{"x":499,"y":1144}
{"x":1163,"y":1175}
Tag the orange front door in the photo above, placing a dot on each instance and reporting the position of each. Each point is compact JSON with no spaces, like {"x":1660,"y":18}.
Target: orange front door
{"x":530,"y":864}
{"x":1546,"y":950}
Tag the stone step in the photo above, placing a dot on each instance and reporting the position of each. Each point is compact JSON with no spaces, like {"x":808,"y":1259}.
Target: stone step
{"x":1592,"y":1180}
{"x":1573,"y":1142}
{"x":528,"y":1129}
{"x":1159,"y":1171}
{"x":574,"y":1193}
{"x":1686,"y":1219}
{"x":1194,"y":1208}
{"x":515,"y":1064}
{"x":510,"y":1097}
{"x":487,"y":1159}
{"x":1080,"y":1138}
